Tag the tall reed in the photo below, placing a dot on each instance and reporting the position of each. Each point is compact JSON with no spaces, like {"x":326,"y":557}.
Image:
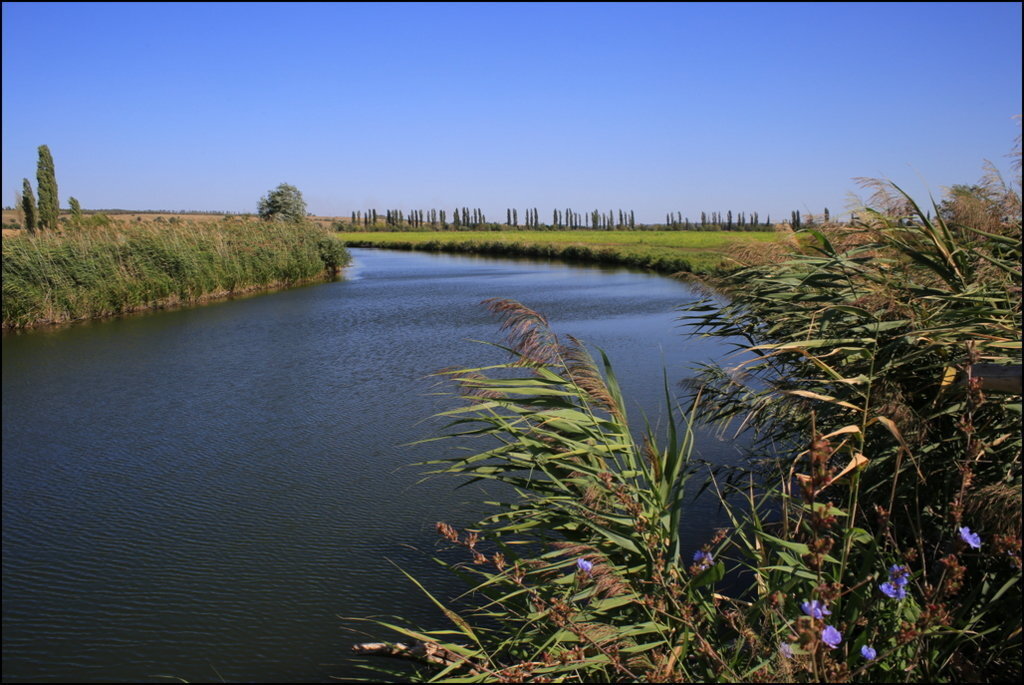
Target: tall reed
{"x":92,"y":272}
{"x":879,"y":542}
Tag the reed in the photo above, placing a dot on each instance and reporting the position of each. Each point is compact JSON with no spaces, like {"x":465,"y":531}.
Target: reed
{"x":58,"y":277}
{"x":875,"y":536}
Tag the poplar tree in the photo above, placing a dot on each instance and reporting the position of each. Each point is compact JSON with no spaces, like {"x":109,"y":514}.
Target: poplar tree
{"x":46,"y":183}
{"x":28,"y":206}
{"x":76,"y":211}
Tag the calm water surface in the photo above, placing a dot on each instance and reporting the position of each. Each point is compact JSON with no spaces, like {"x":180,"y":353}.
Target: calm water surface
{"x":206,"y":493}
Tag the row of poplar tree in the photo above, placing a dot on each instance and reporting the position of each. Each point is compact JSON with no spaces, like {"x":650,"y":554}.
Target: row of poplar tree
{"x":463,"y":218}
{"x":44,"y":214}
{"x":466,"y":218}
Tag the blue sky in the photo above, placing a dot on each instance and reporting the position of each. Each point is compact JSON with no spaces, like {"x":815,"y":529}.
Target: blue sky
{"x":652,"y":107}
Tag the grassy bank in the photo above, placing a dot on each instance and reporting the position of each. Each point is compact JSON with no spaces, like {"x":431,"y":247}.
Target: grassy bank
{"x":89,"y":273}
{"x":660,"y":251}
{"x":874,"y":535}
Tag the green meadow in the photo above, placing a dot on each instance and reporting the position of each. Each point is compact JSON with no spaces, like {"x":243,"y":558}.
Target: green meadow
{"x":660,"y":251}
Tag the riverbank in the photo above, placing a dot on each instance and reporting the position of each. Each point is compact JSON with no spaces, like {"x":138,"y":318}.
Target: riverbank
{"x":73,"y":275}
{"x":665,"y":252}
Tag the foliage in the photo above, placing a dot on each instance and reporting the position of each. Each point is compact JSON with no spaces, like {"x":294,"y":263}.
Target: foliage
{"x":28,"y":206}
{"x":46,"y":185}
{"x":104,"y":270}
{"x":283,"y":203}
{"x":76,"y":211}
{"x":662,"y":251}
{"x":880,"y":542}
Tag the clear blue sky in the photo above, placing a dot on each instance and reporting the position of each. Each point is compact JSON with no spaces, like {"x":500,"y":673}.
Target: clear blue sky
{"x":651,"y":107}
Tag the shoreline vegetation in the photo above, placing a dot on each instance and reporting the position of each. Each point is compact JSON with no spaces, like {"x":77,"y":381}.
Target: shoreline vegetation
{"x":96,"y":266}
{"x":666,"y":252}
{"x":88,"y":272}
{"x":874,"y":531}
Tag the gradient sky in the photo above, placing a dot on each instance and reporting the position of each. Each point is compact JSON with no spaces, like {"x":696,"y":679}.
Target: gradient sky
{"x":651,"y":107}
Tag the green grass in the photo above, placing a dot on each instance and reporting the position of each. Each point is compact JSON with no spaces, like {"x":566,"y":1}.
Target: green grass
{"x":95,"y":272}
{"x":874,"y":536}
{"x":660,"y":251}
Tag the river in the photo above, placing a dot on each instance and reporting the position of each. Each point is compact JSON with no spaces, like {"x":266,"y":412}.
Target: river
{"x":204,"y":493}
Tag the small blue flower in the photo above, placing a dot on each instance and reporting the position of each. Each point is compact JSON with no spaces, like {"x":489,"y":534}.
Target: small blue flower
{"x":831,"y":637}
{"x":815,"y":609}
{"x":786,"y":650}
{"x":584,"y":565}
{"x":972,"y":539}
{"x":893,"y":590}
{"x":703,"y":558}
{"x":898,"y":575}
{"x":868,"y":652}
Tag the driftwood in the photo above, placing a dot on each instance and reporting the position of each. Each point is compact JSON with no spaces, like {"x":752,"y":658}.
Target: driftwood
{"x":426,"y":652}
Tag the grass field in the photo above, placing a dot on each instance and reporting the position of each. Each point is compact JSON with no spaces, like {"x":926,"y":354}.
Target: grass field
{"x":661,"y":251}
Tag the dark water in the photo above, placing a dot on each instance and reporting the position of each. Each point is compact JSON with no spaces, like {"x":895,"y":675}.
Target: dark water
{"x":204,"y":493}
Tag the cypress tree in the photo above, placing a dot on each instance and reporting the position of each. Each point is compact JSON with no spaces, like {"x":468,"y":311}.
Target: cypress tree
{"x":28,"y":206}
{"x":46,"y":183}
{"x":76,"y":211}
{"x":826,"y":215}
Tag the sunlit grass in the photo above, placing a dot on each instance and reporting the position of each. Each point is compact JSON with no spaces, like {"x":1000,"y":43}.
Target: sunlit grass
{"x":100,"y":271}
{"x":661,"y":251}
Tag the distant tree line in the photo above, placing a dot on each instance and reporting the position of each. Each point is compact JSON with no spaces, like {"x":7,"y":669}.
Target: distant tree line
{"x":464,"y":218}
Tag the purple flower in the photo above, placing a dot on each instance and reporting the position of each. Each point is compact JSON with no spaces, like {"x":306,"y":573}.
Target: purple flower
{"x":831,"y":637}
{"x":898,"y":575}
{"x":972,"y":539}
{"x":893,"y":590}
{"x":584,"y":565}
{"x":703,"y":558}
{"x":868,"y":652}
{"x":786,"y":650}
{"x":815,"y":609}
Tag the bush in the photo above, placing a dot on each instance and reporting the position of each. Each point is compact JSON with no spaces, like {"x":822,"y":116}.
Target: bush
{"x":284,"y":203}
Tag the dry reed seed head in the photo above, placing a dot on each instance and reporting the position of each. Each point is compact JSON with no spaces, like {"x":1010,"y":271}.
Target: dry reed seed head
{"x":608,"y":584}
{"x":807,"y":632}
{"x":908,"y":633}
{"x":952,"y":577}
{"x":498,"y":559}
{"x":447,"y":531}
{"x":829,"y":592}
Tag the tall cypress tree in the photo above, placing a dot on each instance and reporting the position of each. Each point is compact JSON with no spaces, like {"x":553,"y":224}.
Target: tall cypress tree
{"x":46,"y":183}
{"x":28,"y":206}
